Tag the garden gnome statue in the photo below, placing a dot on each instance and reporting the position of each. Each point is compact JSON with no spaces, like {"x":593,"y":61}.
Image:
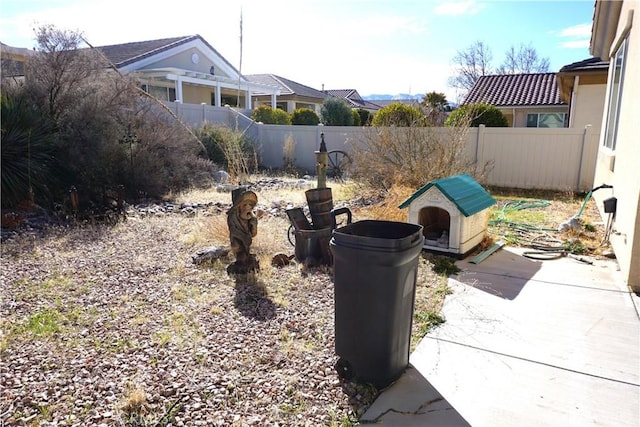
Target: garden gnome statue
{"x":243,"y":227}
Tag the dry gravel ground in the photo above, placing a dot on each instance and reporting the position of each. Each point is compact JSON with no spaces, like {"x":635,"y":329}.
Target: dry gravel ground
{"x":115,"y":325}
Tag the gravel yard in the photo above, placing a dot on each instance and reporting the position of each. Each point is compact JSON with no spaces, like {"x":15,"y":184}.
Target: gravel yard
{"x":115,"y":325}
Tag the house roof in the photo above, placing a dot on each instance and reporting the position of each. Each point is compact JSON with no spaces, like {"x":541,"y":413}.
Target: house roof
{"x":353,"y":98}
{"x":385,"y":102}
{"x":464,"y":191}
{"x":515,"y":90}
{"x":594,"y":64}
{"x":127,"y":53}
{"x":591,"y":67}
{"x":287,"y":87}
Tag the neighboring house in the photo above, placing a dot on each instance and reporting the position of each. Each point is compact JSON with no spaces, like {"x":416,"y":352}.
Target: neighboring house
{"x":13,"y":60}
{"x":527,"y":100}
{"x":615,"y":35}
{"x":180,"y":69}
{"x":353,"y":99}
{"x":583,"y":87}
{"x":188,"y":70}
{"x":292,"y":95}
{"x":381,"y":103}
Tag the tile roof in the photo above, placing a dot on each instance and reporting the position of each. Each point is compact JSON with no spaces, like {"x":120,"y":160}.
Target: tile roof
{"x":350,"y":95}
{"x":381,"y":103}
{"x":353,"y":98}
{"x":126,"y":53}
{"x":287,"y":87}
{"x":590,"y":64}
{"x":515,"y":90}
{"x":464,"y":191}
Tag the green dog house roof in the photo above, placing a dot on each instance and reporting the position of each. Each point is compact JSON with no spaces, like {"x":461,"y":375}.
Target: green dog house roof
{"x":464,"y":191}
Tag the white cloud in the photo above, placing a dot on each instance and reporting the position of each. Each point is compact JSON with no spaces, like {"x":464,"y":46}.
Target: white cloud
{"x":580,"y":30}
{"x":575,"y":37}
{"x":469,"y":7}
{"x":575,"y":44}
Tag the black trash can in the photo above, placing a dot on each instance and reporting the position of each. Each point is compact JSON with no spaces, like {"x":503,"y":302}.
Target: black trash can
{"x":375,"y":270}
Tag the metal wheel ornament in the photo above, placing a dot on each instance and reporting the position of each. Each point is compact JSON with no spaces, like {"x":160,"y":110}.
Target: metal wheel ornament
{"x":338,"y":165}
{"x":291,"y":235}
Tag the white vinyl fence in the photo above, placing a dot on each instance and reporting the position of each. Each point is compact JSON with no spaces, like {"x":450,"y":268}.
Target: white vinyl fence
{"x":550,"y":159}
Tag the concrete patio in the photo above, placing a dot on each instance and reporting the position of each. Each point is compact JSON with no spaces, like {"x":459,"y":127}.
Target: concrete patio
{"x":525,"y":343}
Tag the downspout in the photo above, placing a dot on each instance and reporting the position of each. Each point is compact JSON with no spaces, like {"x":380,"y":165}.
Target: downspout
{"x":572,"y":101}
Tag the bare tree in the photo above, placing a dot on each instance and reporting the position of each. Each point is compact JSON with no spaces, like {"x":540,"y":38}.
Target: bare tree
{"x":523,"y":60}
{"x":470,"y":64}
{"x":475,"y":61}
{"x":60,"y":73}
{"x":108,"y":132}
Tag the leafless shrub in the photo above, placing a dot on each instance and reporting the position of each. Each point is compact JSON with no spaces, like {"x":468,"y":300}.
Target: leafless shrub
{"x":288,"y":152}
{"x":107,"y":132}
{"x":412,"y":156}
{"x":238,"y":161}
{"x":165,"y":156}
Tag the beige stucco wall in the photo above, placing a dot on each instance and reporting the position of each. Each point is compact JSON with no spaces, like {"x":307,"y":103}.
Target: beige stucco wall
{"x":625,"y":238}
{"x":183,"y":61}
{"x":589,"y":106}
{"x":196,"y":94}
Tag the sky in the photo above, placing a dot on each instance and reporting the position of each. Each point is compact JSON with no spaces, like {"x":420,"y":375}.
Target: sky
{"x":373,"y":46}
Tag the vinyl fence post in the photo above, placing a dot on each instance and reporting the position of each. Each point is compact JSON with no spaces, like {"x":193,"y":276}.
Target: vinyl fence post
{"x":585,"y":140}
{"x":479,"y":139}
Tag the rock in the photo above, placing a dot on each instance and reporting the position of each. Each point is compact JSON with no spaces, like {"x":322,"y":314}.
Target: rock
{"x":210,"y":254}
{"x":221,"y":177}
{"x":225,"y":188}
{"x":571,"y":225}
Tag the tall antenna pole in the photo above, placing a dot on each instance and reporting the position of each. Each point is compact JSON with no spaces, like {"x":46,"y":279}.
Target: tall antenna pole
{"x":240,"y":68}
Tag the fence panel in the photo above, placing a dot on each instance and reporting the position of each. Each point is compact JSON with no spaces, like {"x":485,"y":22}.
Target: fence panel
{"x":534,"y":158}
{"x":552,"y":159}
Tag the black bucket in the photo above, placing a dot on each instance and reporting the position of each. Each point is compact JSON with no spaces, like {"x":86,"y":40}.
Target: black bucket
{"x":312,"y":247}
{"x":320,"y":201}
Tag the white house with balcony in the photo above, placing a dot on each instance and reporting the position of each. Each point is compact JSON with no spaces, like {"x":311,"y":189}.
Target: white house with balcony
{"x":187,"y":70}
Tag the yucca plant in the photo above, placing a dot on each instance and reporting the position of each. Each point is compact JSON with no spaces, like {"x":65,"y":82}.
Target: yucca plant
{"x":26,"y":151}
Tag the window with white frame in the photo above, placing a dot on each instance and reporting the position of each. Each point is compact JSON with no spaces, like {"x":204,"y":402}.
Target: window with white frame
{"x":615,"y":94}
{"x":546,"y":120}
{"x":161,"y":92}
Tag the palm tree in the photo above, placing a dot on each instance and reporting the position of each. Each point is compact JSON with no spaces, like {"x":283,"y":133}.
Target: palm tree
{"x":437,"y":101}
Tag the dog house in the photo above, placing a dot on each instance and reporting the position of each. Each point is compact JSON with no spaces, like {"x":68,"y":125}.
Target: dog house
{"x":453,"y":212}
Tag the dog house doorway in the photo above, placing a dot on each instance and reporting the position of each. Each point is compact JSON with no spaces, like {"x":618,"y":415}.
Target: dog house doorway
{"x":436,"y":223}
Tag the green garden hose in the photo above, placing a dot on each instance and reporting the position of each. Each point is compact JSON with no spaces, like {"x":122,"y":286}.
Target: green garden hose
{"x":518,"y":205}
{"x":584,"y":204}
